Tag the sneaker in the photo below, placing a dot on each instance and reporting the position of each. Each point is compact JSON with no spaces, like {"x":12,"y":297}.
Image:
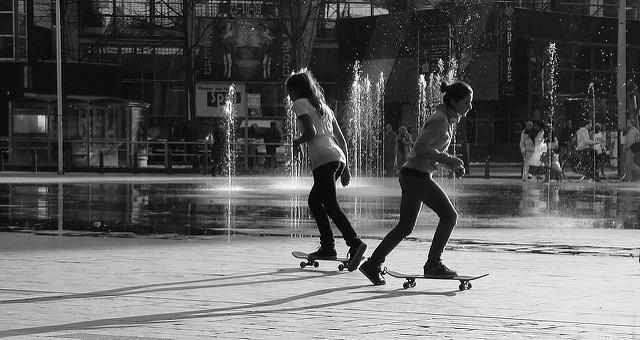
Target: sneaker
{"x":324,"y":252}
{"x":438,"y":269}
{"x":355,"y":255}
{"x":372,"y":272}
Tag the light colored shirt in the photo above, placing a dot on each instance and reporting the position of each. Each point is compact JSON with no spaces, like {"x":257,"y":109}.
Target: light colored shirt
{"x":323,"y":148}
{"x":539,"y":149}
{"x":631,"y":137}
{"x":432,"y":143}
{"x":582,"y":139}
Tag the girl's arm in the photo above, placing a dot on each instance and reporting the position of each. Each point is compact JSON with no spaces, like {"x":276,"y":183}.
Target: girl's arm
{"x":345,"y":177}
{"x":339,"y":137}
{"x":435,"y":133}
{"x":309,"y":130}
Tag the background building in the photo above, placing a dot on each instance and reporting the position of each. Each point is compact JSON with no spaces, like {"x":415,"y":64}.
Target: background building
{"x":508,"y":65}
{"x":168,"y":61}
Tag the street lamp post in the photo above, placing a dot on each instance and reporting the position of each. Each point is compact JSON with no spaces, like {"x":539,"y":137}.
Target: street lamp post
{"x":59,"y":82}
{"x":621,"y":92}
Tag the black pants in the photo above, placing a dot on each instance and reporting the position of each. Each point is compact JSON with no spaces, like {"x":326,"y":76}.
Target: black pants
{"x":418,"y":188}
{"x":323,"y":203}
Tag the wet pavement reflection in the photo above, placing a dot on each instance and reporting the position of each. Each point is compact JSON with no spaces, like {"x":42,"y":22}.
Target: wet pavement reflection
{"x":279,"y":206}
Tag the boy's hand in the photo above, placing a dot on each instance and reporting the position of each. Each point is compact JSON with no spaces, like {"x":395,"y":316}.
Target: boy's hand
{"x":456,"y":163}
{"x":459,"y":172}
{"x":345,"y":177}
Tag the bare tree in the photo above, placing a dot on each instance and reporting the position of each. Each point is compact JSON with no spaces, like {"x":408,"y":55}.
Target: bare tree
{"x":178,"y":18}
{"x":467,"y":20}
{"x":297,"y":20}
{"x":175,"y":20}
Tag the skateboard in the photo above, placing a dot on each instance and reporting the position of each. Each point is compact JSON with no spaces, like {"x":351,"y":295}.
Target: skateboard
{"x":313,"y":261}
{"x":411,"y":279}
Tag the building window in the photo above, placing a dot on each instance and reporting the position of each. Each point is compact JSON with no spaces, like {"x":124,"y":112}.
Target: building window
{"x":30,"y":124}
{"x":6,"y":47}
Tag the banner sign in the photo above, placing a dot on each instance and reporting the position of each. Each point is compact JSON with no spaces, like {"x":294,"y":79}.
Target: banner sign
{"x":211,"y":97}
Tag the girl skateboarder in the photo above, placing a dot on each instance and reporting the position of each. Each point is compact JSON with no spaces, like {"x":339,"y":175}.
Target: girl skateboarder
{"x":418,"y":186}
{"x":328,"y":153}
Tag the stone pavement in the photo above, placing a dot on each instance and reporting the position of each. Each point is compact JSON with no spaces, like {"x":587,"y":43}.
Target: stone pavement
{"x":247,"y":287}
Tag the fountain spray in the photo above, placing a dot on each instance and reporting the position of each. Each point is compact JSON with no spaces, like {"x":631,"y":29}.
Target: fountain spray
{"x":230,"y":136}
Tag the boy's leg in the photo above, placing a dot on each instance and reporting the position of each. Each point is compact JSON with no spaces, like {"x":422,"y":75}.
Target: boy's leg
{"x":436,"y":199}
{"x":410,"y":206}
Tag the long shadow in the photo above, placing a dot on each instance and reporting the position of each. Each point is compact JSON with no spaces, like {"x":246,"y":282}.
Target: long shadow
{"x":243,"y":310}
{"x":177,"y":286}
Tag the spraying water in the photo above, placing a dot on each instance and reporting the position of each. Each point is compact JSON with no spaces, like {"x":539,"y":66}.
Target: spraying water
{"x":551,"y":87}
{"x":364,"y":125}
{"x":230,"y":136}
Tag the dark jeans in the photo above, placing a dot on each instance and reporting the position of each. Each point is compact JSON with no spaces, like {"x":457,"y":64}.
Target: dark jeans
{"x":323,"y":203}
{"x":418,"y":188}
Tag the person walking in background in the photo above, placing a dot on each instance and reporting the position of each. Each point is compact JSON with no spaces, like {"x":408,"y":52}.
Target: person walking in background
{"x":271,"y":138}
{"x":631,"y":136}
{"x":527,"y":146}
{"x":418,"y":186}
{"x":403,"y":145}
{"x":389,"y":150}
{"x":328,"y":154}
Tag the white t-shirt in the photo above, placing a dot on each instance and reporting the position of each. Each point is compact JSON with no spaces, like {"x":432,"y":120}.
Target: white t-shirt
{"x":323,"y":148}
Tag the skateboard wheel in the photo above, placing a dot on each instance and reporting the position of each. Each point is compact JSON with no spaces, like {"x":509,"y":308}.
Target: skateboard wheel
{"x":406,"y":285}
{"x":316,"y":264}
{"x":303,"y":264}
{"x":413,"y":284}
{"x":461,"y":286}
{"x":469,"y":285}
{"x":341,"y":267}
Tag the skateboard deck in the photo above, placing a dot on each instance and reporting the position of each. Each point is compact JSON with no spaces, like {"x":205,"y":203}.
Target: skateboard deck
{"x":313,"y":260}
{"x":411,"y":278}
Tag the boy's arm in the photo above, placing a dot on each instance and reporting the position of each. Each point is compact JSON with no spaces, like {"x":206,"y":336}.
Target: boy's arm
{"x":435,"y":132}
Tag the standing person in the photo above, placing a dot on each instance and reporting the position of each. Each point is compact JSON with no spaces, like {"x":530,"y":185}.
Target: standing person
{"x":540,"y":147}
{"x":565,"y":138}
{"x":598,"y":137}
{"x":389,"y":150}
{"x":630,"y":137}
{"x":403,"y":145}
{"x":600,"y":146}
{"x":526,"y":148}
{"x":418,"y":186}
{"x":328,"y":154}
{"x":584,"y":147}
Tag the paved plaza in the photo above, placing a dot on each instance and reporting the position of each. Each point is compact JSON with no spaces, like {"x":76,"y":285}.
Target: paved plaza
{"x":583,"y":285}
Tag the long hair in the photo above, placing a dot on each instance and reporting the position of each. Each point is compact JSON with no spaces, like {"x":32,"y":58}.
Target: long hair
{"x":305,"y":85}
